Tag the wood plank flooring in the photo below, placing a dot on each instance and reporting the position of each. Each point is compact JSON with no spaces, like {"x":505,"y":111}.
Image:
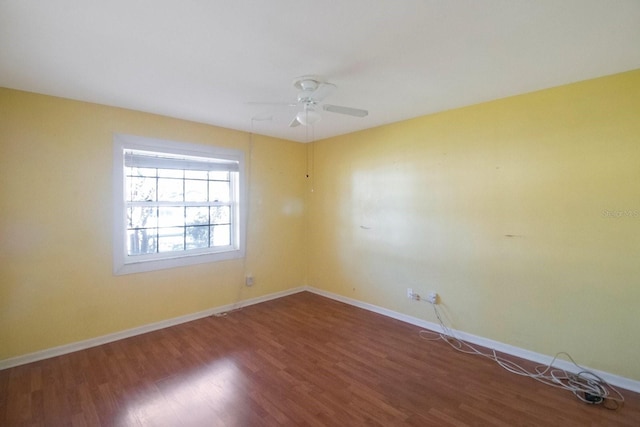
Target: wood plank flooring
{"x":301,"y":360}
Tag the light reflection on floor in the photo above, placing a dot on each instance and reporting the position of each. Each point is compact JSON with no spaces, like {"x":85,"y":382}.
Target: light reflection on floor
{"x":205,"y":397}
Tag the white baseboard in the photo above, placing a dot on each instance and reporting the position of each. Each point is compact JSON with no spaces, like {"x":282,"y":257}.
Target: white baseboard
{"x":93,"y":342}
{"x":542,"y":359}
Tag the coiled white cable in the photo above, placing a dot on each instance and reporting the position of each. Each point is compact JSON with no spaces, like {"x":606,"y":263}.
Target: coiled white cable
{"x":585,"y":385}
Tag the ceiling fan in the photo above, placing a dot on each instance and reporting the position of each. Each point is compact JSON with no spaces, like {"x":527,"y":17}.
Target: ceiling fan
{"x":311,"y":91}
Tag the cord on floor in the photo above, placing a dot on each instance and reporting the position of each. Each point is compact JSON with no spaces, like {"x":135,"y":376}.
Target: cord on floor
{"x":585,"y":385}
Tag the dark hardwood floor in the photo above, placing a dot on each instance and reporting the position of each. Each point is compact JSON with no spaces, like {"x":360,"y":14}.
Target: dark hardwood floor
{"x":302,"y":360}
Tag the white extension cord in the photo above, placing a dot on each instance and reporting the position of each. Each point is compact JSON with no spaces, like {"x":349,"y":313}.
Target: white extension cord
{"x":585,"y":385}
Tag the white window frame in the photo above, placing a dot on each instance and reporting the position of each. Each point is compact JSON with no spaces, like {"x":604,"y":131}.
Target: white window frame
{"x":126,"y":264}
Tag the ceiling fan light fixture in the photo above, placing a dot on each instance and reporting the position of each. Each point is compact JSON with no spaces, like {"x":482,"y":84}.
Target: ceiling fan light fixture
{"x":308,"y":117}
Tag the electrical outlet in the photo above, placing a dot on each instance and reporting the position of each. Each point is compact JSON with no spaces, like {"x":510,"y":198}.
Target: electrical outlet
{"x":248,"y":281}
{"x":409,"y":293}
{"x":432,"y":298}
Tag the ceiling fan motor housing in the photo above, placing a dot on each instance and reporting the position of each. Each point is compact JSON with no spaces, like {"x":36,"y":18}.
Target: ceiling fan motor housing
{"x":307,"y":85}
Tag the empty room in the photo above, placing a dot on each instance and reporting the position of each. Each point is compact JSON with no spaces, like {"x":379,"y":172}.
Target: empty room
{"x":305,"y":213}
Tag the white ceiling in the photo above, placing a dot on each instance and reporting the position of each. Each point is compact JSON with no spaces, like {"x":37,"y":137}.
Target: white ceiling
{"x":204,"y":60}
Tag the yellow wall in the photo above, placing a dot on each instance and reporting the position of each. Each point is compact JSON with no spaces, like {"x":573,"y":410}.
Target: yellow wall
{"x":523,"y":214}
{"x":56,"y":282}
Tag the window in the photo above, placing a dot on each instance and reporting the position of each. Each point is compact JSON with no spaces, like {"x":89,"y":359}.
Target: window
{"x":175,"y":204}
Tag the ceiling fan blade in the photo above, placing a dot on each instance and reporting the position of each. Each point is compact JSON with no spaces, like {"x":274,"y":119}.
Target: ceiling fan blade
{"x":345,"y":110}
{"x":294,"y":123}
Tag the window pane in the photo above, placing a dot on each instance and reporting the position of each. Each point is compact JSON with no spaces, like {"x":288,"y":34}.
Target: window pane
{"x":198,"y":237}
{"x":141,"y":241}
{"x":172,"y":216}
{"x":219,"y":175}
{"x":190,"y":174}
{"x":195,"y":191}
{"x":171,"y":173}
{"x":170,"y":190}
{"x":134,"y":171}
{"x":171,"y":239}
{"x":220,"y":215}
{"x":140,"y":189}
{"x":198,"y":215}
{"x":220,"y":235}
{"x":142,"y":217}
{"x":219,"y":191}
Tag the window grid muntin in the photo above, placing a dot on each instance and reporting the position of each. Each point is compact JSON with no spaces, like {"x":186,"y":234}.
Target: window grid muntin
{"x":230,"y":179}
